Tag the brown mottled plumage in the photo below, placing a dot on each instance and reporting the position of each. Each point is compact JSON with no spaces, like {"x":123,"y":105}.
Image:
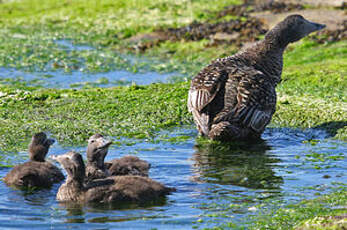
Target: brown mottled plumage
{"x":97,"y":169}
{"x":235,"y":97}
{"x":36,"y":173}
{"x":118,"y":189}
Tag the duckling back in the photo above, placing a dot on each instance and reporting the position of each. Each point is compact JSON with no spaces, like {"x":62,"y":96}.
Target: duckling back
{"x":127,"y":189}
{"x":128,"y":165}
{"x":34,"y":174}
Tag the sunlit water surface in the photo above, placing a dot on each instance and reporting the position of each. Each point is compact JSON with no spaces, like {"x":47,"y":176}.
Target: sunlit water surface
{"x":214,"y":185}
{"x":78,"y":78}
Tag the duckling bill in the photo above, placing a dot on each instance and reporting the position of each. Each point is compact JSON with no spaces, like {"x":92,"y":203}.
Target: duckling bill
{"x":234,"y":98}
{"x":118,"y":189}
{"x":36,"y":173}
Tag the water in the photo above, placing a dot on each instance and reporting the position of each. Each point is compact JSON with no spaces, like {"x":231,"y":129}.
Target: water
{"x":214,"y":184}
{"x":78,"y":78}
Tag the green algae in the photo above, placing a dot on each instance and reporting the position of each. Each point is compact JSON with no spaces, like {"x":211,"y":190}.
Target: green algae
{"x":73,"y":115}
{"x":315,"y":213}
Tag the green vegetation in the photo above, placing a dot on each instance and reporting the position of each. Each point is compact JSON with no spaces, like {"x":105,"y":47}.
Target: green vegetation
{"x":73,"y":115}
{"x":325,"y":212}
{"x":311,"y":94}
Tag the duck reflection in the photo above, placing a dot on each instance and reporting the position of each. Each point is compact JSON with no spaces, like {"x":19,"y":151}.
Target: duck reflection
{"x":242,"y":164}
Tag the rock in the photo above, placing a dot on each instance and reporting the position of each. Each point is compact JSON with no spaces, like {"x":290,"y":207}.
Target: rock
{"x":334,"y":3}
{"x":220,"y":36}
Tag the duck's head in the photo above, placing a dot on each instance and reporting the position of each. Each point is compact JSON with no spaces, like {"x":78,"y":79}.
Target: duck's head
{"x":97,"y":150}
{"x":73,"y":164}
{"x":292,"y":29}
{"x":39,"y":146}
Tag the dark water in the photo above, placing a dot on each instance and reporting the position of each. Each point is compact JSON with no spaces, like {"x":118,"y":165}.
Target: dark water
{"x":214,"y":184}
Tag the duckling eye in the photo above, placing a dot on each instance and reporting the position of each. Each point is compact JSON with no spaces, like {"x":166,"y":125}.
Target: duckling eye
{"x":92,"y":141}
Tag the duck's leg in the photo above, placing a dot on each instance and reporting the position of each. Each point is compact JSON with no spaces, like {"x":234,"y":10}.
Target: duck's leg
{"x":226,"y":131}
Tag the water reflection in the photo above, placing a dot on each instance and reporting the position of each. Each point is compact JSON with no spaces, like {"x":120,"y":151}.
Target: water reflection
{"x":242,"y":165}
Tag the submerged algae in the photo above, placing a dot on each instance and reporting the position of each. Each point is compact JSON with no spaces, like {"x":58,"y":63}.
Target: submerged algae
{"x":308,"y":212}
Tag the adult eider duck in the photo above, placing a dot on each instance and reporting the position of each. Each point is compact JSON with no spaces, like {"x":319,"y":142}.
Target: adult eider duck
{"x":97,"y":169}
{"x":234,"y":97}
{"x":36,"y":173}
{"x":118,"y":189}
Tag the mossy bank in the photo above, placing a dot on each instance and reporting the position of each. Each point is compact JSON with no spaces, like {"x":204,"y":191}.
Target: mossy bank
{"x":312,"y":93}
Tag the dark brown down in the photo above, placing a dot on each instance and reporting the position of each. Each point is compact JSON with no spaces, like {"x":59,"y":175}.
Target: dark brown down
{"x":118,"y":189}
{"x":36,"y":173}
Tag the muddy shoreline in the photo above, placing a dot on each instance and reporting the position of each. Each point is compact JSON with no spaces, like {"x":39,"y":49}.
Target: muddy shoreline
{"x":253,"y":18}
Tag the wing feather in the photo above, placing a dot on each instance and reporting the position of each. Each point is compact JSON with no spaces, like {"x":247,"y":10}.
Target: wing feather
{"x":257,"y":100}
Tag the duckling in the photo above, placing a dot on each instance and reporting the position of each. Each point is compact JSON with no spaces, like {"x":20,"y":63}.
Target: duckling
{"x":118,"y":189}
{"x":36,"y":173}
{"x":97,"y":169}
{"x":234,"y":97}
{"x":96,"y":152}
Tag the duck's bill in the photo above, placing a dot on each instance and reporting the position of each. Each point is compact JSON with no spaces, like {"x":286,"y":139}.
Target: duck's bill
{"x":50,"y":141}
{"x":312,"y":26}
{"x":105,"y":144}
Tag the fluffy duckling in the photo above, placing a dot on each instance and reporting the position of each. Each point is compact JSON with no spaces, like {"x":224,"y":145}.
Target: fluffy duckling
{"x":235,"y":97}
{"x":96,"y":152}
{"x":97,"y":169}
{"x":36,"y":173}
{"x":118,"y":189}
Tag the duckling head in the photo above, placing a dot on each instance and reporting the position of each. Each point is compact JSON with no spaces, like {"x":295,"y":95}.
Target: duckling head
{"x":39,"y":146}
{"x":73,"y":164}
{"x":291,"y":29}
{"x":97,"y":150}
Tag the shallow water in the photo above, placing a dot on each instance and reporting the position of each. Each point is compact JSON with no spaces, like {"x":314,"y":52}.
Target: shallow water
{"x":214,"y":185}
{"x":79,"y":78}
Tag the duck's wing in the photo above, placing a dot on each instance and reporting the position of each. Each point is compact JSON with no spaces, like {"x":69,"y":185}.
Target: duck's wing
{"x":256,"y":101}
{"x":203,"y":90}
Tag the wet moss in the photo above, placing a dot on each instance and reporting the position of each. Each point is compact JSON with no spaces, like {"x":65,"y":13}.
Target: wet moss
{"x":73,"y":115}
{"x":324,"y":212}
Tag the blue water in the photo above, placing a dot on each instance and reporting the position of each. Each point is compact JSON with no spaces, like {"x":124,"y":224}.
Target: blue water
{"x":214,"y":185}
{"x":79,"y":78}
